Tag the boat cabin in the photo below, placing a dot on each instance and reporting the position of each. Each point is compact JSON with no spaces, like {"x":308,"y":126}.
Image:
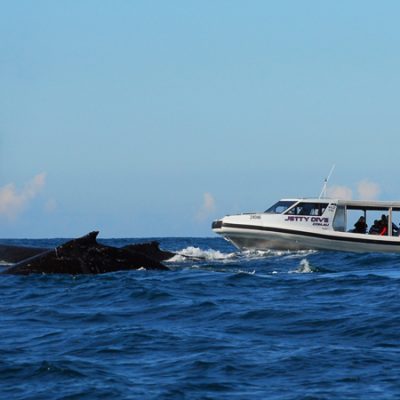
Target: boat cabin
{"x":339,"y":215}
{"x":370,"y":210}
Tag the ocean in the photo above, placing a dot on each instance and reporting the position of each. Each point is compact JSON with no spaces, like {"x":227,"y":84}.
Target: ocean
{"x":220,"y":325}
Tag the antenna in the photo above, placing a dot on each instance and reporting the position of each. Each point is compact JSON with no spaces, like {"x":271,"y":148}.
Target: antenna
{"x":324,"y":187}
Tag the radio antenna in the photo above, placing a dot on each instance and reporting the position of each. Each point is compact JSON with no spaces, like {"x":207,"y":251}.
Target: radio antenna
{"x":324,"y":187}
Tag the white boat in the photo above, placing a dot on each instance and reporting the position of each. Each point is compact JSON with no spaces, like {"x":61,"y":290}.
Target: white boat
{"x":312,"y":224}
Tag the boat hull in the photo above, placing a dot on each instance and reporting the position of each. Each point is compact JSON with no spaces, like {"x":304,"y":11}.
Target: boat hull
{"x":262,"y":238}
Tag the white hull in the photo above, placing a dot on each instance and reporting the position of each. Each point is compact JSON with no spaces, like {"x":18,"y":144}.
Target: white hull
{"x":245,"y":239}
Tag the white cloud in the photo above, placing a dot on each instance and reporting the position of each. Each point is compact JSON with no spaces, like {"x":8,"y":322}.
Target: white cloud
{"x":339,"y":192}
{"x":12,"y":201}
{"x":207,"y":208}
{"x":368,"y":190}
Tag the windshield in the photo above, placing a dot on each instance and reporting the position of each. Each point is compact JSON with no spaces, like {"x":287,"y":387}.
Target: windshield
{"x":280,"y":207}
{"x":305,"y":208}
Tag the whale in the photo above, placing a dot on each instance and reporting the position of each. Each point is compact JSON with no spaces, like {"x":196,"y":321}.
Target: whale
{"x":14,"y":254}
{"x":151,"y":249}
{"x":85,"y":255}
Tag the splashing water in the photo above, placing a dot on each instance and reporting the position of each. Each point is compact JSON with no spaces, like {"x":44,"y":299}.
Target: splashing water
{"x":255,"y":254}
{"x":195,"y":253}
{"x":241,"y":271}
{"x":304,"y":267}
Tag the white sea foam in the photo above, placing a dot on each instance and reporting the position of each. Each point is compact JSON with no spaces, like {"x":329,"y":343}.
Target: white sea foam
{"x":304,"y":267}
{"x":240,"y":271}
{"x":195,"y":253}
{"x":299,"y":253}
{"x":254,"y":254}
{"x":258,"y":253}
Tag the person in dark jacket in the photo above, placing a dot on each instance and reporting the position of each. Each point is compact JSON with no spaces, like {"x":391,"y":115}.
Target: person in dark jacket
{"x":375,"y":228}
{"x":360,"y":226}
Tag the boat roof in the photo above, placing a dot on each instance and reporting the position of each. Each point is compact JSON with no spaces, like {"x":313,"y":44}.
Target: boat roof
{"x":370,"y":205}
{"x":373,"y":205}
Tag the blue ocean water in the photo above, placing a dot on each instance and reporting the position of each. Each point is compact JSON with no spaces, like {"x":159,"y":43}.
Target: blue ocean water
{"x":224,"y":325}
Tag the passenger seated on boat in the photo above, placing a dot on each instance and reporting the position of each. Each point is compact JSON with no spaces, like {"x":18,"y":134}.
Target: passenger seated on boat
{"x":384,"y":225}
{"x":360,"y":226}
{"x":375,"y":228}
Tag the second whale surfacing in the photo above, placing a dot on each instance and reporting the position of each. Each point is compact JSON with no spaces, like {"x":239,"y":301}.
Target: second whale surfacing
{"x":86,"y":256}
{"x":10,"y":254}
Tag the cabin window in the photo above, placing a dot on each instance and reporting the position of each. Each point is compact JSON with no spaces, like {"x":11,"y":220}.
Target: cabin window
{"x":280,"y":207}
{"x":339,"y":222}
{"x":303,"y":208}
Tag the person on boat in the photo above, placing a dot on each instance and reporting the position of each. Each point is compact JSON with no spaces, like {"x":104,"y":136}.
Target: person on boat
{"x":384,"y":225}
{"x":360,"y":226}
{"x":375,"y":228}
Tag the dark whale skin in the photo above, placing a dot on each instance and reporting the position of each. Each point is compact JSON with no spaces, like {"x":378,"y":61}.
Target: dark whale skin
{"x":14,"y":254}
{"x":150,"y":249}
{"x":85,"y":256}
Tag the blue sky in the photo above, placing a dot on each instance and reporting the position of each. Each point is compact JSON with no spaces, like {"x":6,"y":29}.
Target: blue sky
{"x":151,"y":118}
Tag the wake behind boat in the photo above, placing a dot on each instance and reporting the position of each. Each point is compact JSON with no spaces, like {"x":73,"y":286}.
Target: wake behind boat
{"x":314,"y":224}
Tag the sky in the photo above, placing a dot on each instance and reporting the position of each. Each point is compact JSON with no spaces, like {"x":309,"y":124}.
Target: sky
{"x":152,"y":118}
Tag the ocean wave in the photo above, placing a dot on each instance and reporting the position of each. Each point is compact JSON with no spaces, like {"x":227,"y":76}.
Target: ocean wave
{"x":198,"y":254}
{"x":241,"y":271}
{"x":260,"y":325}
{"x":304,"y":268}
{"x":195,"y":253}
{"x":257,"y":254}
